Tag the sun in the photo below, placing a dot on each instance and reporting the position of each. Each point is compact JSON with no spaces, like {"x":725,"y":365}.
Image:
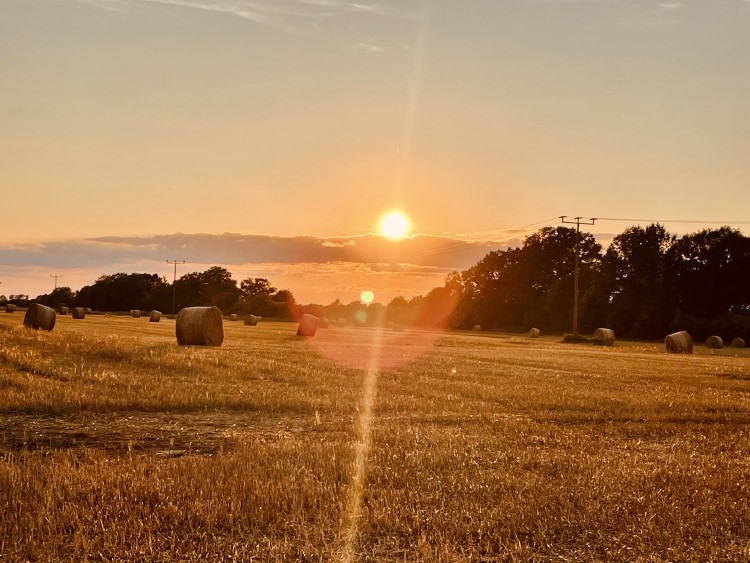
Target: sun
{"x":394,"y":225}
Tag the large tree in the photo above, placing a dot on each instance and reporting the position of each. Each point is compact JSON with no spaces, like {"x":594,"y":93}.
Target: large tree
{"x":637,"y":274}
{"x":122,"y":292}
{"x":59,"y":296}
{"x":712,"y":272}
{"x":531,"y":285}
{"x":215,"y":286}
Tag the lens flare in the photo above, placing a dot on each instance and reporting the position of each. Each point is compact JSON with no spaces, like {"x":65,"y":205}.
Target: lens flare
{"x":394,"y":225}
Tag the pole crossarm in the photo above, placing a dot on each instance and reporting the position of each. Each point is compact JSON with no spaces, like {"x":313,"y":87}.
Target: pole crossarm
{"x":55,"y":276}
{"x":577,"y":221}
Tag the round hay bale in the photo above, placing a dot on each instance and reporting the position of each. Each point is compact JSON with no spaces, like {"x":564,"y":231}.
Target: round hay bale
{"x":135,"y":313}
{"x":87,"y":310}
{"x":534,"y":333}
{"x":738,"y":342}
{"x":477,"y":328}
{"x":10,"y":308}
{"x":201,"y":326}
{"x":234,"y":317}
{"x":604,"y":336}
{"x":308,"y":325}
{"x":154,"y":316}
{"x":79,"y":313}
{"x":39,"y":317}
{"x":63,"y":310}
{"x":251,"y":320}
{"x":679,"y":343}
{"x":341,"y":321}
{"x":323,"y":322}
{"x":714,"y":342}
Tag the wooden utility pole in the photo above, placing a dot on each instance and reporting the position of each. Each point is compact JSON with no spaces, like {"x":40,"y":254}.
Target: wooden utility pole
{"x":577,"y":221}
{"x":55,"y":276}
{"x":174,"y":279}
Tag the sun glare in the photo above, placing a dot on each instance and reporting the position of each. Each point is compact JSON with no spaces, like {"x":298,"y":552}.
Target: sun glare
{"x":394,"y":225}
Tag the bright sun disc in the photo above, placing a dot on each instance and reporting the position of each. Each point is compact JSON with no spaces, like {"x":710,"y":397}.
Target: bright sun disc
{"x":394,"y":225}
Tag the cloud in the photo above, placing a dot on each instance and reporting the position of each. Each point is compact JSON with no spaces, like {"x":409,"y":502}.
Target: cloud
{"x":670,"y":5}
{"x":283,"y":15}
{"x":370,"y":48}
{"x":316,"y":266}
{"x":232,"y":248}
{"x":316,"y":269}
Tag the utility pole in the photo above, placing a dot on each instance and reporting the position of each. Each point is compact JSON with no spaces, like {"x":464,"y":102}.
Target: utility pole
{"x":577,"y":221}
{"x":55,"y":276}
{"x":174,"y":279}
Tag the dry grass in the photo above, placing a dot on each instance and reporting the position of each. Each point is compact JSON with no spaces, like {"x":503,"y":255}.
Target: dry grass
{"x":118,"y":445}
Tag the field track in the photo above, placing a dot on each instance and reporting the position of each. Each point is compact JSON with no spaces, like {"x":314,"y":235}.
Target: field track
{"x":364,"y":444}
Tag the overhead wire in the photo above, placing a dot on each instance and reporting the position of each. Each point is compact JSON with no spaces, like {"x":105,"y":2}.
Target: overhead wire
{"x":459,"y":245}
{"x":697,"y":221}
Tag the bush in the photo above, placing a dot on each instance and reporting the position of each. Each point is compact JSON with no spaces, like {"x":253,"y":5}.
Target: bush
{"x":574,"y":339}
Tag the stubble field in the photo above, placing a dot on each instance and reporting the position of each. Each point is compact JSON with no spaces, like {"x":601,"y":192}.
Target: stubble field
{"x":366,"y":445}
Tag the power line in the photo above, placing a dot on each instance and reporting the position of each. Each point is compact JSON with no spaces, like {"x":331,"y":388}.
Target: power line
{"x":460,"y":245}
{"x":705,"y":221}
{"x":537,"y":223}
{"x":55,"y":276}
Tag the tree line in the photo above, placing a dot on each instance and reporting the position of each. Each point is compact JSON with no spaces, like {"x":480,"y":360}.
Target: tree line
{"x":647,"y":283}
{"x":214,"y":287}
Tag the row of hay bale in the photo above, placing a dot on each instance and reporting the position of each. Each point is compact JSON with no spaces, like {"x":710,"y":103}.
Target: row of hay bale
{"x":717,"y":343}
{"x":682,"y":343}
{"x":154,"y":316}
{"x":10,"y":308}
{"x":204,"y":326}
{"x":309,"y":324}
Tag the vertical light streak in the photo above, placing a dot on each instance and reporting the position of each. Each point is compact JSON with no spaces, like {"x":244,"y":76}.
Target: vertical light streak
{"x":353,"y":514}
{"x":414,"y":93}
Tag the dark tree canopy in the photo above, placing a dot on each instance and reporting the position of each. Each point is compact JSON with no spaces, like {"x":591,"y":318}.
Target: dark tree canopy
{"x":122,"y":292}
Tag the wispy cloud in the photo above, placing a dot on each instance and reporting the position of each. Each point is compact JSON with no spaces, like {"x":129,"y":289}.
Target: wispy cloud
{"x":369,"y":47}
{"x":375,"y":8}
{"x":284,"y":15}
{"x":109,"y":5}
{"x":669,"y":6}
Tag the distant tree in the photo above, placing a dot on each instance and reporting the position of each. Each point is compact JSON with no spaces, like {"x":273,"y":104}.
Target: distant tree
{"x":398,"y":311}
{"x":436,"y":308}
{"x":528,"y":286}
{"x":637,"y":273}
{"x":215,"y":287}
{"x":121,"y":292}
{"x":58,"y":296}
{"x":711,"y":271}
{"x":283,"y":296}
{"x":254,"y":287}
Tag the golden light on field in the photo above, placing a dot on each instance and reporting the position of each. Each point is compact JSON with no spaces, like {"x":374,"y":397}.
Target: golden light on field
{"x":394,"y":224}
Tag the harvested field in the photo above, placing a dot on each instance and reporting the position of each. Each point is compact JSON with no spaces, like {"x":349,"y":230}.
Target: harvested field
{"x":117,"y":444}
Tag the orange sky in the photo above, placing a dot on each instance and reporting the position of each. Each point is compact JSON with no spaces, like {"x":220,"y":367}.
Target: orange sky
{"x":293,"y":118}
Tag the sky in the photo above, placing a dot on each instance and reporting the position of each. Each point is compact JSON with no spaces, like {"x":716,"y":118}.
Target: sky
{"x":268,"y":136}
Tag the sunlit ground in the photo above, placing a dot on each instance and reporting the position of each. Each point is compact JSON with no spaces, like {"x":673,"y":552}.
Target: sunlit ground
{"x":366,"y":444}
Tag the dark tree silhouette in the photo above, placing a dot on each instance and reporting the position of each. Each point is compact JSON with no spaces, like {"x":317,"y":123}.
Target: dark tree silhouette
{"x":638,"y":275}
